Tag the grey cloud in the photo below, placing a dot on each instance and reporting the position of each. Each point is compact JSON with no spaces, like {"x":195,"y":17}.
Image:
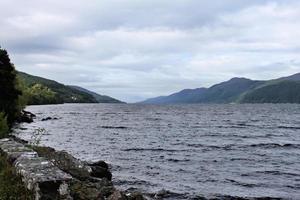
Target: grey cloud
{"x":138,"y":49}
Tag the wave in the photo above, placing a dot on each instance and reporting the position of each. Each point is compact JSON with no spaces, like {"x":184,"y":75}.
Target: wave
{"x":152,"y":149}
{"x":242,"y":184}
{"x":229,"y":197}
{"x":178,"y":160}
{"x":275,"y":145}
{"x":289,"y":127}
{"x":114,"y":127}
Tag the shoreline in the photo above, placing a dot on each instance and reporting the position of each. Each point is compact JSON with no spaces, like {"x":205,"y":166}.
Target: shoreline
{"x":41,"y":168}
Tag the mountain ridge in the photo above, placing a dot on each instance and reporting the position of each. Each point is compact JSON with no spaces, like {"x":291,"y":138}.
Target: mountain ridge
{"x":237,"y":90}
{"x":45,"y":91}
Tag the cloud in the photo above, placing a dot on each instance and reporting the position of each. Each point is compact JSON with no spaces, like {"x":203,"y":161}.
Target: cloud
{"x":138,"y":49}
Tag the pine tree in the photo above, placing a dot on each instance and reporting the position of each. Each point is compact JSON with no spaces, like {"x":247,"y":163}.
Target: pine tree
{"x":8,"y":91}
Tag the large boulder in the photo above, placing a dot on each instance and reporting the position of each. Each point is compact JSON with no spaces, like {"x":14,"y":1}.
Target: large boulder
{"x":87,"y":190}
{"x":100,"y":170}
{"x":66,"y":162}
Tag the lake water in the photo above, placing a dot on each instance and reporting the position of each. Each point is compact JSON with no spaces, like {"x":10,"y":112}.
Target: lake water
{"x":190,"y":150}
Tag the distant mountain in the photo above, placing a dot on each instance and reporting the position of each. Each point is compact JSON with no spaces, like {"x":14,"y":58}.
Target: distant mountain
{"x":295,"y":77}
{"x":99,"y":98}
{"x":285,"y":91}
{"x":44,"y":91}
{"x":238,"y":90}
{"x":184,"y":96}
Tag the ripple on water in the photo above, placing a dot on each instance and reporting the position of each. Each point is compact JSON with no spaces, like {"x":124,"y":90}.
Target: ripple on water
{"x":190,"y":151}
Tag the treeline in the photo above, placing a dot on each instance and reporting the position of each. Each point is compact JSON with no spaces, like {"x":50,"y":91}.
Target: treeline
{"x":11,"y":96}
{"x":285,"y":91}
{"x":40,"y":91}
{"x":39,"y":94}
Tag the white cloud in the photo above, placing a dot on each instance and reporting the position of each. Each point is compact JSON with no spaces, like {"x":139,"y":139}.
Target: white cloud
{"x":137,"y":49}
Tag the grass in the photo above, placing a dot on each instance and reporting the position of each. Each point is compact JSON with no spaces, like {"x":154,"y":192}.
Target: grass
{"x":11,"y":186}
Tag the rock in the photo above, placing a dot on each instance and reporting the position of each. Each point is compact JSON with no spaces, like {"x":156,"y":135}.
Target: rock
{"x":135,"y":196}
{"x":101,"y":172}
{"x":85,"y":190}
{"x":26,"y":116}
{"x":49,"y":118}
{"x":66,"y":162}
{"x":46,"y":119}
{"x":100,"y":163}
{"x":117,"y":195}
{"x":38,"y":174}
{"x":162,"y":194}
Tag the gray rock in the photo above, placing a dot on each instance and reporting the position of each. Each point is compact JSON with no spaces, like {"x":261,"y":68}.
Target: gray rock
{"x":101,"y":172}
{"x":38,"y":174}
{"x":117,"y":195}
{"x":66,"y":162}
{"x":99,"y":163}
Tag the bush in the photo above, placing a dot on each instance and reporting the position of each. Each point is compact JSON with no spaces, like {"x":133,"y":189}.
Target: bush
{"x":3,"y":126}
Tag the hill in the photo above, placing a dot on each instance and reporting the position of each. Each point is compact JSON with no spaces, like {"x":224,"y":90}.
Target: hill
{"x":44,"y":91}
{"x":279,"y":92}
{"x":99,"y":98}
{"x":238,"y":90}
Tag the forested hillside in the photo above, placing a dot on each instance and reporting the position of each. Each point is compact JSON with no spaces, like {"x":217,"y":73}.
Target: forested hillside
{"x":279,"y":92}
{"x":239,"y":90}
{"x":39,"y":90}
{"x":44,"y":91}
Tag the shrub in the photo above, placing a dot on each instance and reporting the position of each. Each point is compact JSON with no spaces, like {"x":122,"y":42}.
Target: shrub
{"x":3,"y":126}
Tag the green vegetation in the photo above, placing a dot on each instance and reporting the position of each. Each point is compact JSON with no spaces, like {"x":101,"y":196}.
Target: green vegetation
{"x":99,"y":98}
{"x":39,"y":95}
{"x":40,"y":91}
{"x":3,"y":126}
{"x":9,"y":91}
{"x":276,"y":92}
{"x":239,"y":90}
{"x":44,"y":91}
{"x":11,"y":186}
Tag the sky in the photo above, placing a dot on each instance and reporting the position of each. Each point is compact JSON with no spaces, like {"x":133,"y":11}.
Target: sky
{"x":137,"y":49}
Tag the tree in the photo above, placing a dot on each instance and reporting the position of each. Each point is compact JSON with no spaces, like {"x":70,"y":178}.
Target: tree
{"x":9,"y":93}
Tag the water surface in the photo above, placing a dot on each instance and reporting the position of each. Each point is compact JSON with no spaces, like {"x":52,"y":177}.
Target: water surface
{"x":236,"y":150}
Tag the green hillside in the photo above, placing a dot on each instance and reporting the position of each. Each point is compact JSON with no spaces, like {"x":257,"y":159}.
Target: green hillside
{"x":39,"y":91}
{"x":238,"y":90}
{"x":275,"y":92}
{"x":98,"y":97}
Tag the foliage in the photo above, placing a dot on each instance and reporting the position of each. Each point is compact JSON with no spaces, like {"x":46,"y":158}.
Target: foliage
{"x":99,"y":98}
{"x":3,"y":126}
{"x":53,"y":92}
{"x":11,"y":186}
{"x":9,"y":92}
{"x":39,"y":95}
{"x":37,"y":136}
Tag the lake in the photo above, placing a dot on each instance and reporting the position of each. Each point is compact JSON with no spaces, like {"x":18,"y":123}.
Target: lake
{"x":190,"y":150}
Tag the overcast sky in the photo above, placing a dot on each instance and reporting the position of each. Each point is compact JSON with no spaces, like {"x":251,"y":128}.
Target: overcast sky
{"x":135,"y":49}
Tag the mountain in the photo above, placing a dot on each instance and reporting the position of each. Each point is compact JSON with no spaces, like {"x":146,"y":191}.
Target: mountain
{"x":229,"y":91}
{"x":285,"y":91}
{"x":44,"y":91}
{"x":238,"y":90}
{"x":225,"y":92}
{"x":99,"y":98}
{"x":184,"y":96}
{"x":295,"y":77}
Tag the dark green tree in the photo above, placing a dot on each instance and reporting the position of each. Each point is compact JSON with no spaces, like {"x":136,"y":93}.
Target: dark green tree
{"x":9,"y":92}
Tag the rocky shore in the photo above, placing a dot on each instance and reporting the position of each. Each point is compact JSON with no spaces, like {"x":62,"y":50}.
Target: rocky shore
{"x":52,"y":174}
